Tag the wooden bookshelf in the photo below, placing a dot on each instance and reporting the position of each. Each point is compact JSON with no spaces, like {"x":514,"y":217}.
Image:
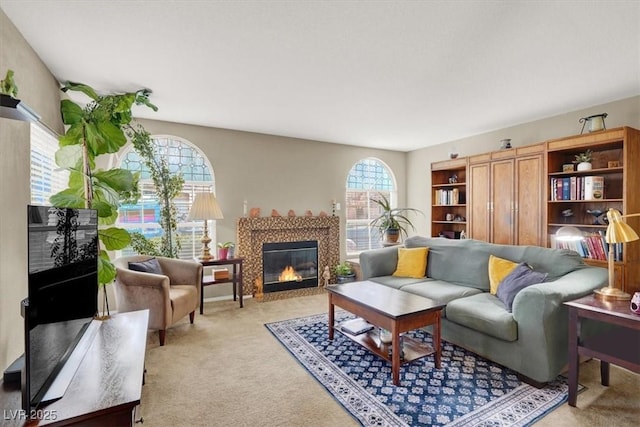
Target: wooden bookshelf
{"x":616,"y":158}
{"x":449,"y":198}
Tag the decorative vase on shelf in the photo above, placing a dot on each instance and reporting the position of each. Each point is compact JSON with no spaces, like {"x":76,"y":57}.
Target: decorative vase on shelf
{"x":222,"y":253}
{"x":584,"y":166}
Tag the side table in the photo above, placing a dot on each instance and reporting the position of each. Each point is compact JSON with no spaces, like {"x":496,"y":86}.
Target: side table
{"x":235,"y":278}
{"x":620,"y":347}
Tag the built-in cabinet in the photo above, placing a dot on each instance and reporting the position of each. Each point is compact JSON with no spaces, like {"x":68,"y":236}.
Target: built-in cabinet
{"x":571,"y":200}
{"x":524,"y":195}
{"x":506,"y":196}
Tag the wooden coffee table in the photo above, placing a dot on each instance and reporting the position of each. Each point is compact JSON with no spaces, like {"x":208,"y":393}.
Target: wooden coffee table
{"x":390,"y":309}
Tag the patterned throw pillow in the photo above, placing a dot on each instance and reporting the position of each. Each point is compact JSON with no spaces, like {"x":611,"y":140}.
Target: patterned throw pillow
{"x":149,"y":266}
{"x":521,"y":277}
{"x":412,"y":262}
{"x":499,"y":268}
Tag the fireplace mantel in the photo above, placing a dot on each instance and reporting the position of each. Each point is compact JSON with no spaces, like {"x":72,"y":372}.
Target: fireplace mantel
{"x":253,"y":232}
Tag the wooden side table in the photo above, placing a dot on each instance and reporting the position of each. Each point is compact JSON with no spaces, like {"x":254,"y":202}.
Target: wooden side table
{"x":620,"y":347}
{"x":235,"y":278}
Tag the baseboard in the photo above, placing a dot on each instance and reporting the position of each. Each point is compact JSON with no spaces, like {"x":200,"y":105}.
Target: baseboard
{"x":225,"y":298}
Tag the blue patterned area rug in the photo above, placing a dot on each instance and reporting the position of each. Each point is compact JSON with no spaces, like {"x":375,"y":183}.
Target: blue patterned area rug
{"x":467,"y":391}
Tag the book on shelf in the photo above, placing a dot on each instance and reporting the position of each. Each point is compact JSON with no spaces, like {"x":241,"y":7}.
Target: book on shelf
{"x":447,"y":197}
{"x":593,"y":187}
{"x":592,"y":246}
{"x":356,"y":326}
{"x":577,"y":188}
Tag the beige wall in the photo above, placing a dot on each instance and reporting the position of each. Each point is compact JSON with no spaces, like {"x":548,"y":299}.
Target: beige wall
{"x":272,"y":172}
{"x":625,"y":112}
{"x":39,"y":90}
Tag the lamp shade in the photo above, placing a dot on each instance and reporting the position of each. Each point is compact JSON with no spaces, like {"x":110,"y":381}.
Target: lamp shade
{"x":619,"y":231}
{"x":205,"y":207}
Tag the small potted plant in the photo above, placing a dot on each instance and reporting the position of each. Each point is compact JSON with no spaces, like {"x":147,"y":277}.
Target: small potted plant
{"x":583,"y":160}
{"x":344,"y":272}
{"x":225,"y":250}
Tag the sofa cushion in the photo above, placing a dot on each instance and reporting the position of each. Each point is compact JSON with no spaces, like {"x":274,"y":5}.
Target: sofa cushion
{"x":521,"y":277}
{"x":484,"y":313}
{"x":454,"y":260}
{"x":499,"y":268}
{"x":397,"y":282}
{"x":149,"y":266}
{"x":440,"y":291}
{"x":459,"y":261}
{"x":412,"y":262}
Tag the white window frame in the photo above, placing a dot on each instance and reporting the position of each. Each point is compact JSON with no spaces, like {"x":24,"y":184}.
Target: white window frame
{"x":369,"y":190}
{"x":191,"y":230}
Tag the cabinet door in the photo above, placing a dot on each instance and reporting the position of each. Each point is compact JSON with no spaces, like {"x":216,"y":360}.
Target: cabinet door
{"x":529,"y":180}
{"x":502,"y":202}
{"x":478,"y":201}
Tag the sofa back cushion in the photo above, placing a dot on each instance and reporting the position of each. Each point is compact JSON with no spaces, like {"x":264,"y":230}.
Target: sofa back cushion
{"x":467,"y":261}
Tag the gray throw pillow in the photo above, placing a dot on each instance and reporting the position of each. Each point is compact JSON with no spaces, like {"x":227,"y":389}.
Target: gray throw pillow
{"x":521,"y":277}
{"x":149,"y":266}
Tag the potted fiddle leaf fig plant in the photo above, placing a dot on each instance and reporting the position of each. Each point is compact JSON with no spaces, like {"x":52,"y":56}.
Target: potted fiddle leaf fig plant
{"x":94,"y":129}
{"x":392,"y":223}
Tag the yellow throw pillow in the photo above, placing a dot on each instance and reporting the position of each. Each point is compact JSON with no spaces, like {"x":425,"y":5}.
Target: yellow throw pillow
{"x":412,"y":262}
{"x":499,"y":269}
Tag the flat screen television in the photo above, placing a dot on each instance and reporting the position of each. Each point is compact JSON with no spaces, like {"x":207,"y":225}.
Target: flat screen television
{"x":62,"y":297}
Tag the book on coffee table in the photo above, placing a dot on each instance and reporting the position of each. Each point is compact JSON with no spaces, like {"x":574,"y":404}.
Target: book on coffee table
{"x":356,"y":326}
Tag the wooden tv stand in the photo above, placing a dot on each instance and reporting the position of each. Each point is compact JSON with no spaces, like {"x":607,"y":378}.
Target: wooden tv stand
{"x":106,"y":387}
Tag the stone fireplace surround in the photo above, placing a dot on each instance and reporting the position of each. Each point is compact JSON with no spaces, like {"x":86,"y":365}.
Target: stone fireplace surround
{"x":253,"y":232}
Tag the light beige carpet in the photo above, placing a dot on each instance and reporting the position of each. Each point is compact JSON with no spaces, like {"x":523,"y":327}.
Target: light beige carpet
{"x":228,"y":370}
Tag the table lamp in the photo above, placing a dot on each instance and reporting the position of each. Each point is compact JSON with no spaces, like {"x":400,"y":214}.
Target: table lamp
{"x":618,"y":231}
{"x":205,"y":207}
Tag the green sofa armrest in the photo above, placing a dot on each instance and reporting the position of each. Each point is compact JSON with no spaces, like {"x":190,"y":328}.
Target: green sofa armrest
{"x":543,"y":319}
{"x":379,"y":262}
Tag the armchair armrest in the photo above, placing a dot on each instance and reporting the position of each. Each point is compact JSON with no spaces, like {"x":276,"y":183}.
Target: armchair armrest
{"x":136,"y":290}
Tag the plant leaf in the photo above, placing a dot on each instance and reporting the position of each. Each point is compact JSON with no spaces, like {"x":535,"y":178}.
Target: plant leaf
{"x":112,"y":138}
{"x":79,"y":87}
{"x":71,"y":112}
{"x":104,"y":209}
{"x":68,"y":198}
{"x":69,"y":157}
{"x":118,"y":179}
{"x":114,"y":238}
{"x":106,"y":269}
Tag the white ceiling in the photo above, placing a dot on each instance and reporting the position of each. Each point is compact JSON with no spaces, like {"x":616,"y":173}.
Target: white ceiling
{"x":387,"y":74}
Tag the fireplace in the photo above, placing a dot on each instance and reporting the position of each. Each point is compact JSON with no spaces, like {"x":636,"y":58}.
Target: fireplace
{"x":289,"y":265}
{"x":253,"y":233}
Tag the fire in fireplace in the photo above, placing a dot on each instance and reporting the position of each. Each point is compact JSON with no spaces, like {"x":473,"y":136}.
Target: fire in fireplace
{"x":289,"y":265}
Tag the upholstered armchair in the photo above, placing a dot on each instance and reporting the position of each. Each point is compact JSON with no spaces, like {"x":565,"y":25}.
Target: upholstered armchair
{"x":169,"y":288}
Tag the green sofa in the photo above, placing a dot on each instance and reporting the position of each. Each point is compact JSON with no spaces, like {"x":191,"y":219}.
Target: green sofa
{"x":532,"y":339}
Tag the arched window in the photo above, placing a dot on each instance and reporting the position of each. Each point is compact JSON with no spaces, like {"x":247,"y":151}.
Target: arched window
{"x":366,"y":179}
{"x":182,"y":157}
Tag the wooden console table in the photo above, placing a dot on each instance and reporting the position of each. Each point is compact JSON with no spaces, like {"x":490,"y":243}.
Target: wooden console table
{"x":620,"y":347}
{"x":105,"y":389}
{"x":235,"y":278}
